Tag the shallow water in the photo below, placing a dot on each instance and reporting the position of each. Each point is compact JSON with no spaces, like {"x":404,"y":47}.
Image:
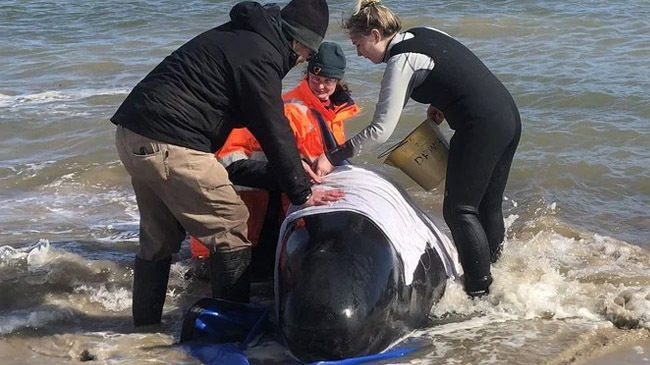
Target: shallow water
{"x":574,"y":275}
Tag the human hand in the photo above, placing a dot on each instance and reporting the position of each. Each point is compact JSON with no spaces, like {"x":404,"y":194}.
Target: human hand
{"x":322,"y":165}
{"x":435,"y":114}
{"x":313,"y":177}
{"x":323,"y":197}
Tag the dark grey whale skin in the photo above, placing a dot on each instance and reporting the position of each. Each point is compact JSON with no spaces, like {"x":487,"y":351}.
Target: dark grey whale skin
{"x":341,"y":291}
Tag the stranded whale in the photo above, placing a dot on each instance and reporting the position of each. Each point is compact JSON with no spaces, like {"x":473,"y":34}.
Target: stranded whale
{"x":354,"y":276}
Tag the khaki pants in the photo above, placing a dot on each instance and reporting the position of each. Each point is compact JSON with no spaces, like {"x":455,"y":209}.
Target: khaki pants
{"x":179,"y":191}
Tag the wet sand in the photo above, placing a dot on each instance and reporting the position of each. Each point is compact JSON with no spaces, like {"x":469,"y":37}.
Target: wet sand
{"x":609,"y":348}
{"x":635,"y":353}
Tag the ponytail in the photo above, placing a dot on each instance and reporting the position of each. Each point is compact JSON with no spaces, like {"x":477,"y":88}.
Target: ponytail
{"x":372,"y":14}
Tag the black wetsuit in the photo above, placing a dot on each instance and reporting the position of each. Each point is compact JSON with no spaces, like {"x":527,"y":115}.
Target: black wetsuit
{"x":487,"y":124}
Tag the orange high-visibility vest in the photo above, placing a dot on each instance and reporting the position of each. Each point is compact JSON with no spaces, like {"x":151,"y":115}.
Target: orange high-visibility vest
{"x":300,"y":106}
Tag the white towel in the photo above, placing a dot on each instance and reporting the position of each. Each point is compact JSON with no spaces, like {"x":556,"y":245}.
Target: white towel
{"x":408,"y":228}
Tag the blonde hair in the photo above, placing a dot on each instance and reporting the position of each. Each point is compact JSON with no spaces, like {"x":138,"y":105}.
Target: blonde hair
{"x":372,"y":14}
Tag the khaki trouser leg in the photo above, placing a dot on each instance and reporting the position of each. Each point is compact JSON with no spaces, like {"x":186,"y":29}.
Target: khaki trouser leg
{"x":179,"y":189}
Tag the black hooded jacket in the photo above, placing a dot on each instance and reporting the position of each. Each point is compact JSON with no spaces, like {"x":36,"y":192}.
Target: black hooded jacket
{"x":227,"y":77}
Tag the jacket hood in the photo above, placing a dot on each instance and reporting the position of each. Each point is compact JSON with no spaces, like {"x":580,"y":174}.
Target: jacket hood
{"x":265,"y":21}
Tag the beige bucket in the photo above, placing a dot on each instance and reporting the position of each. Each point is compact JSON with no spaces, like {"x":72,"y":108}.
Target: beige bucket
{"x":422,"y":155}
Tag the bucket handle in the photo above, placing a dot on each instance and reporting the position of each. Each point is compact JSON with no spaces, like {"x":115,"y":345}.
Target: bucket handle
{"x":392,"y":148}
{"x":400,"y":143}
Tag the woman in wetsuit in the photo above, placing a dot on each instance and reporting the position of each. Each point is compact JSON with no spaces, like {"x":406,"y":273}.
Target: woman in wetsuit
{"x":430,"y":67}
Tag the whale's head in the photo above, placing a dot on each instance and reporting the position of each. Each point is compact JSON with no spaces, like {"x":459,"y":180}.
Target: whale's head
{"x":339,"y":286}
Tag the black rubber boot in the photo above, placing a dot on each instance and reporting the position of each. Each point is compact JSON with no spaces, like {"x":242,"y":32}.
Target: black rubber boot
{"x":478,"y":288}
{"x":230,"y":275}
{"x":149,"y":289}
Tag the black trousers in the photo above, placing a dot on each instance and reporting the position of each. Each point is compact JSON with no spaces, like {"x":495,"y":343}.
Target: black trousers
{"x":480,"y":156}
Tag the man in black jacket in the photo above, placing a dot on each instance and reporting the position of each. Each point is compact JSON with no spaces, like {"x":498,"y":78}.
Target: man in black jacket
{"x":173,"y":121}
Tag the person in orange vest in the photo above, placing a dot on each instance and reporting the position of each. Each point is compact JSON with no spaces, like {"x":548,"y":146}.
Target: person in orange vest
{"x":317,"y":109}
